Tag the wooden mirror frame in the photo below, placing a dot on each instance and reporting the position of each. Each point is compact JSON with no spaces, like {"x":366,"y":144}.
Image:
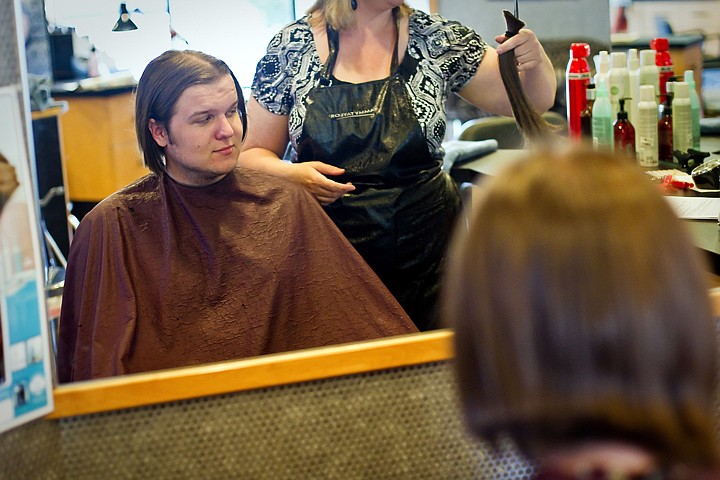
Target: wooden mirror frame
{"x":141,"y":389}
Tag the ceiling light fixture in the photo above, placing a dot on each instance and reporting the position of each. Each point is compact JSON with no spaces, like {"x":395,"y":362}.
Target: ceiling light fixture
{"x":124,"y":24}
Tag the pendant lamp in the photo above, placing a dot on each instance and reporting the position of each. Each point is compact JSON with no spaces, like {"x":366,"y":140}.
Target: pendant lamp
{"x":124,"y":24}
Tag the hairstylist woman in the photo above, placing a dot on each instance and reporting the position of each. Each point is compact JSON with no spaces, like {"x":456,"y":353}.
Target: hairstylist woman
{"x":358,"y":87}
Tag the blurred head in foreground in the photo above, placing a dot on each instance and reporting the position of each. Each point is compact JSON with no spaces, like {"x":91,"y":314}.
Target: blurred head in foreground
{"x":582,"y":314}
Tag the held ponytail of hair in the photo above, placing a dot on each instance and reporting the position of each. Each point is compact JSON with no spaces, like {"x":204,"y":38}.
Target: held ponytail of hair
{"x":533,"y":126}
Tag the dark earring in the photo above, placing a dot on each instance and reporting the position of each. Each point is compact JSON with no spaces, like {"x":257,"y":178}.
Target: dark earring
{"x":353,"y":4}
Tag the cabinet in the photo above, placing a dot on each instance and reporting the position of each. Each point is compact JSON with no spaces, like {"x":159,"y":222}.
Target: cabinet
{"x":689,"y":16}
{"x":652,"y":17}
{"x":101,"y":152}
{"x":51,"y":176}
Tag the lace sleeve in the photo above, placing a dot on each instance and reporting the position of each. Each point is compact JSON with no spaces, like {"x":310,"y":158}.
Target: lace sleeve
{"x":454,"y":49}
{"x":286,"y":58}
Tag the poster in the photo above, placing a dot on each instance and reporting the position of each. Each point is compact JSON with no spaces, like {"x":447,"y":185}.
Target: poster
{"x":25,"y":362}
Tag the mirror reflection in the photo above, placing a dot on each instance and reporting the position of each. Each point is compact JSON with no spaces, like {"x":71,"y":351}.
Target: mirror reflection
{"x":202,"y":261}
{"x":91,"y":82}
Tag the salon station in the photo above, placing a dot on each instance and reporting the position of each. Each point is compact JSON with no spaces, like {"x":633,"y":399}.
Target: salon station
{"x":368,"y":400}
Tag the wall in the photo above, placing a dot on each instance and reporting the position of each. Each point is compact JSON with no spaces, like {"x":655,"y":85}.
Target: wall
{"x":36,"y":44}
{"x":550,"y":19}
{"x":699,"y":17}
{"x":589,"y":22}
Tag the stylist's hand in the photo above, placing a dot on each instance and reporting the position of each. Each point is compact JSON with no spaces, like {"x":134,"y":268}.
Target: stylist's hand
{"x":529,"y":52}
{"x":312,"y":175}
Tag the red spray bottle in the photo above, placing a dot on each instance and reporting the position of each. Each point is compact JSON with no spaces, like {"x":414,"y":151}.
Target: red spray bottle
{"x":577,"y":78}
{"x":664,"y":64}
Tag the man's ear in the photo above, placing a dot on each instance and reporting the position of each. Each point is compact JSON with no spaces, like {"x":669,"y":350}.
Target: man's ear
{"x":158,"y":132}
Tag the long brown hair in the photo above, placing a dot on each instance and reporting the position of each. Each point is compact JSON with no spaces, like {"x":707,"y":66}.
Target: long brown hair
{"x":581,"y":311}
{"x":530,"y":122}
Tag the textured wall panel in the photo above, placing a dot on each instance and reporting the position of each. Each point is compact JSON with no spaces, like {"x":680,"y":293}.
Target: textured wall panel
{"x":31,"y":451}
{"x":395,"y":424}
{"x":9,"y":61}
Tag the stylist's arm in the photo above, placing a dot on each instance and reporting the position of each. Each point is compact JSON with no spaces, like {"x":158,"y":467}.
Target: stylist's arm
{"x":536,"y":71}
{"x":265,"y":144}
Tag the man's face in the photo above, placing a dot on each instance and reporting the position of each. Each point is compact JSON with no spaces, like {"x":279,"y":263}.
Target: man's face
{"x":203,"y":138}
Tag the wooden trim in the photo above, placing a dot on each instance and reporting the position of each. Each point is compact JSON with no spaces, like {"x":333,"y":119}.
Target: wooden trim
{"x":715,"y":301}
{"x":267,"y":371}
{"x":54,"y":111}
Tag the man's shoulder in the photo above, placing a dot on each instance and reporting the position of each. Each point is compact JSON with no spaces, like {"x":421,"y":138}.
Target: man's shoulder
{"x":140,"y":191}
{"x":266,"y":185}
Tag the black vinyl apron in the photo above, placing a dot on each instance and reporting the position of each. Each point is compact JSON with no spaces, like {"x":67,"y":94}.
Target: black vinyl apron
{"x":403,"y":208}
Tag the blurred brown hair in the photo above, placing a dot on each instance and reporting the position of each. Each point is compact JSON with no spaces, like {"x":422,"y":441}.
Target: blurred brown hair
{"x":581,"y":311}
{"x":8,"y":180}
{"x":338,"y":13}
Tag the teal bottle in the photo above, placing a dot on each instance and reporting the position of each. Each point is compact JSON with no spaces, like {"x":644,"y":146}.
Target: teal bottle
{"x":602,"y":118}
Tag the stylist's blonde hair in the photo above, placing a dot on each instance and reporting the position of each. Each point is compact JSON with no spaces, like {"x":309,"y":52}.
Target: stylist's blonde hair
{"x":339,"y":14}
{"x":581,"y":312}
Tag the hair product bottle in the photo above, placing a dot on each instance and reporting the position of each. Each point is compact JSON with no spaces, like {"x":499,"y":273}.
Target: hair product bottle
{"x":619,"y":80}
{"x":602,"y":67}
{"x":694,"y":108}
{"x":646,"y":129}
{"x":602,"y":118}
{"x":649,"y":72}
{"x":577,"y":77}
{"x":663,"y":62}
{"x":633,"y":67}
{"x":586,"y":114}
{"x":668,"y":97}
{"x":92,"y":64}
{"x":682,"y":120}
{"x":624,"y":132}
{"x":665,"y":135}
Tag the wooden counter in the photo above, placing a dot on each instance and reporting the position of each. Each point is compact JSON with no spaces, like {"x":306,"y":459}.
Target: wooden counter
{"x":706,"y":233}
{"x":101,"y":152}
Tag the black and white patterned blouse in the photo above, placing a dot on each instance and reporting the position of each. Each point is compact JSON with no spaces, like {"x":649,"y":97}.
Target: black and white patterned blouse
{"x":447,"y":54}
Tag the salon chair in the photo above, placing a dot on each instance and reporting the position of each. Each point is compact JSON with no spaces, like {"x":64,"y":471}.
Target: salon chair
{"x":505,"y":130}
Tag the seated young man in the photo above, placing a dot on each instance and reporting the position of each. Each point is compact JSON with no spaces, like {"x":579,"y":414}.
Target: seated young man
{"x":202,"y":261}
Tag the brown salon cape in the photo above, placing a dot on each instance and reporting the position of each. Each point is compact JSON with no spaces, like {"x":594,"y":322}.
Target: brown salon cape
{"x":164,"y":275}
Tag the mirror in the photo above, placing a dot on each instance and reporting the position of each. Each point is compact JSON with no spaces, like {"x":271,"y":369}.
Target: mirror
{"x":593,"y":20}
